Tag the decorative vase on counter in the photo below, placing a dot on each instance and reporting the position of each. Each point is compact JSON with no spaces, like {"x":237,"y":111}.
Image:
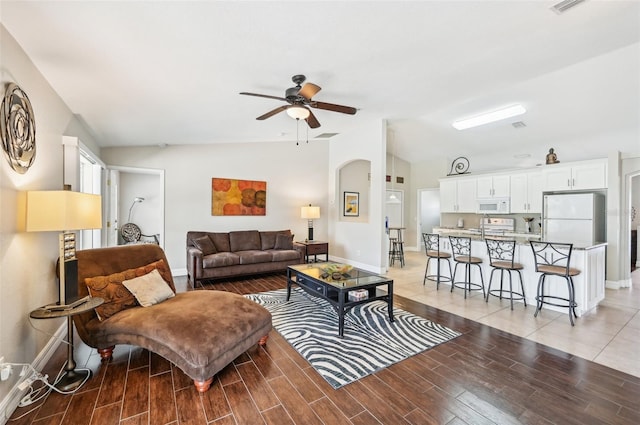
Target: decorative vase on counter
{"x":527,"y":223}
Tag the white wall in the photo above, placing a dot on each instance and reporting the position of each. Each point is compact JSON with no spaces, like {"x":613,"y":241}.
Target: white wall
{"x":295,"y":176}
{"x":360,"y":243}
{"x":27,"y":260}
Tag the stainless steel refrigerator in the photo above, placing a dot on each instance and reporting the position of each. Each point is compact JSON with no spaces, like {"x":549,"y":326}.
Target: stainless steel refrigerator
{"x":577,"y":218}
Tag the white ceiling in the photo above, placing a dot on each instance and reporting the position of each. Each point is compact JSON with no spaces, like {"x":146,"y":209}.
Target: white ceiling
{"x":150,"y":73}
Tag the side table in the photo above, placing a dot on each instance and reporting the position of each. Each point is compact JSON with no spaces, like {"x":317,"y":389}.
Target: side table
{"x":72,"y":378}
{"x":315,"y":248}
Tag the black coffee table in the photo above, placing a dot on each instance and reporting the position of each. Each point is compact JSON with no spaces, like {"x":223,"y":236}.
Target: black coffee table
{"x":314,"y":280}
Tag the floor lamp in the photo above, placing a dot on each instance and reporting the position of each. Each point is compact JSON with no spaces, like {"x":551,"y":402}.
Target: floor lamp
{"x":310,"y":213}
{"x":65,"y":211}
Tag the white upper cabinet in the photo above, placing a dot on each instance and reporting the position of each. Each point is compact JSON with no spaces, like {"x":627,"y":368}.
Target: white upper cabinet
{"x":458,"y":195}
{"x":526,"y":192}
{"x":575,"y":176}
{"x":493,"y":186}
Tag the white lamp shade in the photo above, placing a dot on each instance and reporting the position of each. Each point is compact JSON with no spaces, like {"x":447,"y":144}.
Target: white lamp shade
{"x":60,"y":210}
{"x":310,"y":212}
{"x":298,"y":112}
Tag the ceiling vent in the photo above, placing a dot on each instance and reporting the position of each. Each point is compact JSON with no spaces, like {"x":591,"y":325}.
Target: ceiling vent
{"x":565,"y":5}
{"x":518,"y":124}
{"x":325,"y":135}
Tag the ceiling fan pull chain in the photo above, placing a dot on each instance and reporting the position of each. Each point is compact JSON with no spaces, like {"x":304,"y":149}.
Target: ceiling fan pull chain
{"x":307,"y":134}
{"x":297,"y":131}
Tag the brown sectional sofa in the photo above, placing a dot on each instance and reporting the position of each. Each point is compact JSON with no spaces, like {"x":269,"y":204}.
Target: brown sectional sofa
{"x":212,"y":255}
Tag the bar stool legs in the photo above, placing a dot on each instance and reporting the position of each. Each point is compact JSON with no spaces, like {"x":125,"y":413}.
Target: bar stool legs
{"x":432,"y":249}
{"x":519,"y":296}
{"x":396,"y":247}
{"x":541,"y":298}
{"x":554,"y":259}
{"x":461,"y":249}
{"x":437,"y":277}
{"x":502,"y":257}
{"x":466,"y":284}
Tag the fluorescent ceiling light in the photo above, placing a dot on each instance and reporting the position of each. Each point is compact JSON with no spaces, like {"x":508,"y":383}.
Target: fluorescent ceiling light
{"x":493,"y":116}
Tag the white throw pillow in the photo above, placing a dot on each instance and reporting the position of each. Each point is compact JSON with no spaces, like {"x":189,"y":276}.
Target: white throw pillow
{"x":149,"y":289}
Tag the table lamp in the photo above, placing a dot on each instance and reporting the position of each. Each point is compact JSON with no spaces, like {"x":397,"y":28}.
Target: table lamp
{"x":64,"y":211}
{"x":310,"y":213}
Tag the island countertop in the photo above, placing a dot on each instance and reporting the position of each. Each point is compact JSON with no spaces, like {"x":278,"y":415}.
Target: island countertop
{"x":520,"y":238}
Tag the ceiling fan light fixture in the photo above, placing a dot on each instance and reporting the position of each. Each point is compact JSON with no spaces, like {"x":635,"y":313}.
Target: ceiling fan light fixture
{"x":298,"y":112}
{"x":486,"y":118}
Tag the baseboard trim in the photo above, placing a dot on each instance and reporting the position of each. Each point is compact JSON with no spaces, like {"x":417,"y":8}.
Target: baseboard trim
{"x":618,"y":284}
{"x":10,"y":403}
{"x":178,"y":272}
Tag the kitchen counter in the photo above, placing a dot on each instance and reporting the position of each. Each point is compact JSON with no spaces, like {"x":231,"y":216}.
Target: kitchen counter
{"x":520,"y":238}
{"x":589,"y":259}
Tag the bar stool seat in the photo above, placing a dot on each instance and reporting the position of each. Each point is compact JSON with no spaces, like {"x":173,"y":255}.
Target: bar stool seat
{"x":432,"y":248}
{"x":502,"y":258}
{"x":461,"y":250}
{"x":553,"y":259}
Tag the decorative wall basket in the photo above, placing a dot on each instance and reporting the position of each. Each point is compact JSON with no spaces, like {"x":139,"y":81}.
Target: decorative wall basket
{"x":18,"y":129}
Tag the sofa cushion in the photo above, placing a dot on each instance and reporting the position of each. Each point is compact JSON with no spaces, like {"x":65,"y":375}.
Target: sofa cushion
{"x":254,"y":256}
{"x":149,"y":289}
{"x":221,"y":241}
{"x":268,"y":239}
{"x":284,"y":242}
{"x":244,"y":240}
{"x":117,"y":297}
{"x":204,"y":244}
{"x":285,"y":254}
{"x":220,"y":259}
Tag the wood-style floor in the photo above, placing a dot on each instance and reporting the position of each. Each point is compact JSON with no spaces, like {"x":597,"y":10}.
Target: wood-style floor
{"x":485,"y":376}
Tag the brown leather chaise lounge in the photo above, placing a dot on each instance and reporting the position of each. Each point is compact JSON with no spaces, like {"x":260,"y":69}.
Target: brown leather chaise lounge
{"x":199,"y":331}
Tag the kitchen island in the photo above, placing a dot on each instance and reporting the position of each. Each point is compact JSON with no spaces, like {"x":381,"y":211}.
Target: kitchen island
{"x":589,"y":259}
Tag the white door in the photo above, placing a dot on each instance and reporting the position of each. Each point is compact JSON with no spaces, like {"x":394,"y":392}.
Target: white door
{"x":428,"y":211}
{"x":394,"y":207}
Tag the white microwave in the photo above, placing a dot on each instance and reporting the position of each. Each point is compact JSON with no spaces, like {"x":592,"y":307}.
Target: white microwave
{"x":494,"y":206}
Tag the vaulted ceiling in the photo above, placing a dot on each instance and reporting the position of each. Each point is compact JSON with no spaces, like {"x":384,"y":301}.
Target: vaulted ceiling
{"x":153,"y":73}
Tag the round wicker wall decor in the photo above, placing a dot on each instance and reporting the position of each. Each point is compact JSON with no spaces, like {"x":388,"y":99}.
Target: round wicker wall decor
{"x":18,"y":129}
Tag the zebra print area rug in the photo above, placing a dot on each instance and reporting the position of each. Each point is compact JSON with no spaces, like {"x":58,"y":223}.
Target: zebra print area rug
{"x":370,"y":341}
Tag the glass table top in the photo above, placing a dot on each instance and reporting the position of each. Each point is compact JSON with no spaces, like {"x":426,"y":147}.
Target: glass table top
{"x":352,"y":278}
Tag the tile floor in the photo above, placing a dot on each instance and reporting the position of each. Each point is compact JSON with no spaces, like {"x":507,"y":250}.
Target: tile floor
{"x":609,"y":334}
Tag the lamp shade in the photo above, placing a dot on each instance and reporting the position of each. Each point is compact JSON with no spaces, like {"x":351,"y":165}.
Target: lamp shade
{"x":310,"y":212}
{"x":60,"y":210}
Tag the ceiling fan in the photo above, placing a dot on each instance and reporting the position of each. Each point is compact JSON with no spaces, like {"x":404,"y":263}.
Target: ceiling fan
{"x":299,"y":99}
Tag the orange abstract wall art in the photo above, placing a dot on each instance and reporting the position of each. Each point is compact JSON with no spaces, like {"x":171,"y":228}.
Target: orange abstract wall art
{"x":238,"y":197}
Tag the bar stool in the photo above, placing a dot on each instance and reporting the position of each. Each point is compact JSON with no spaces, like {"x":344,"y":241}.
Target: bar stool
{"x":432,"y":248}
{"x":502,"y":258}
{"x":396,"y":246}
{"x":461,"y":249}
{"x":553,"y":259}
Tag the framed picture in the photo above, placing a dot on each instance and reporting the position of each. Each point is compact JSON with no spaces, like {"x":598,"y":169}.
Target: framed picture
{"x":238,"y":197}
{"x":351,"y":207}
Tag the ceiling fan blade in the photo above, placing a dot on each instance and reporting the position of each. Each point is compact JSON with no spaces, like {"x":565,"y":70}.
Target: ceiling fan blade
{"x":312,"y":120}
{"x":309,"y":90}
{"x":333,"y":107}
{"x":273,"y":112}
{"x":263,"y":95}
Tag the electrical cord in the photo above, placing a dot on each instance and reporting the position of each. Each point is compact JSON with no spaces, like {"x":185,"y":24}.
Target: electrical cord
{"x":34,"y":395}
